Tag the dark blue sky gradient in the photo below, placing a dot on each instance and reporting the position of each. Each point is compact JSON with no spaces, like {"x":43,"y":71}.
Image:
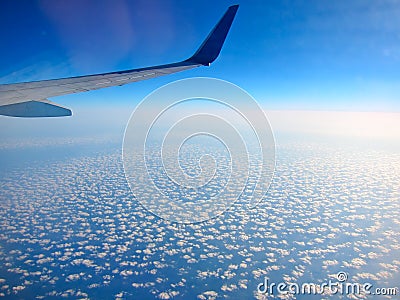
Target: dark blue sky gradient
{"x":322,"y":55}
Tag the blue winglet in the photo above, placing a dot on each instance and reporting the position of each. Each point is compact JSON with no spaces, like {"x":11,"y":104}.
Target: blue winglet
{"x":211,"y":47}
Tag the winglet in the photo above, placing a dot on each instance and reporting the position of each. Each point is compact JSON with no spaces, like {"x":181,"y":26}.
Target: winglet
{"x":211,"y":47}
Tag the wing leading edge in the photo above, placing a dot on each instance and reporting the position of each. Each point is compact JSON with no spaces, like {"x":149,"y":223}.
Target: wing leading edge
{"x":29,"y":99}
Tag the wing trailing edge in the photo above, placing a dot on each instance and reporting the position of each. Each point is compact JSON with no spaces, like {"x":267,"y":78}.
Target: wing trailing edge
{"x":34,"y":109}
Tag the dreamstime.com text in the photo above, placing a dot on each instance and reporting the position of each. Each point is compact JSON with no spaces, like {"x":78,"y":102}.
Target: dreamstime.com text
{"x":340,"y":286}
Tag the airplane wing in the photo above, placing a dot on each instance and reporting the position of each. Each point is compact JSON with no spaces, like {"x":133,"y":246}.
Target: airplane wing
{"x":29,"y":99}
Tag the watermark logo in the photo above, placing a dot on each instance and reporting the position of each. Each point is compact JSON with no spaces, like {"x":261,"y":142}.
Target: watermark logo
{"x":340,"y":286}
{"x":195,"y":146}
{"x":342,"y":276}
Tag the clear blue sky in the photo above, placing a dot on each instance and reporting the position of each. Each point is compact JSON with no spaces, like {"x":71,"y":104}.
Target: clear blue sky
{"x":322,"y":55}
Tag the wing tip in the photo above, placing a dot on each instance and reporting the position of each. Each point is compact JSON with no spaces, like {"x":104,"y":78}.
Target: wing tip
{"x":212,"y":45}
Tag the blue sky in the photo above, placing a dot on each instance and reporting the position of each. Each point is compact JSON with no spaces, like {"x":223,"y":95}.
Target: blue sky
{"x":307,"y":55}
